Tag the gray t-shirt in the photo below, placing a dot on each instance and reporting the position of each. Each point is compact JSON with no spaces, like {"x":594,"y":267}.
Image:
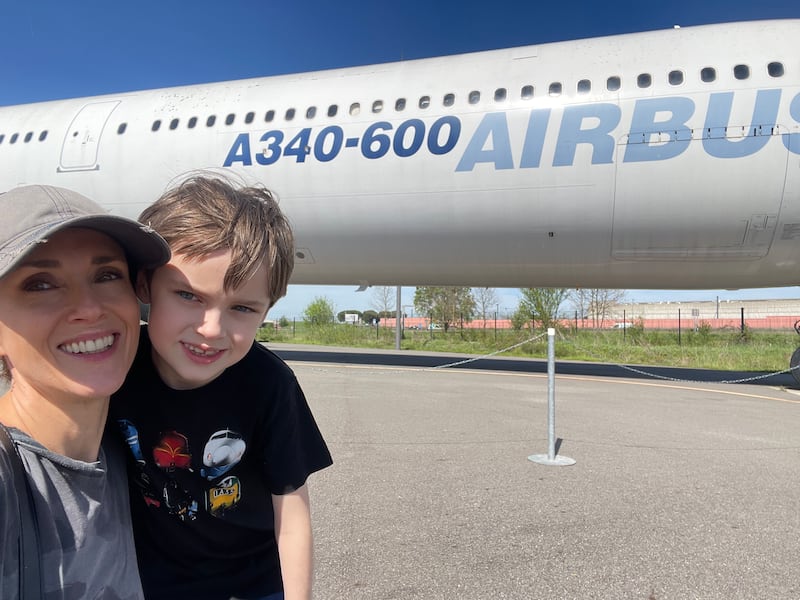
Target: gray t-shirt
{"x":84,"y":524}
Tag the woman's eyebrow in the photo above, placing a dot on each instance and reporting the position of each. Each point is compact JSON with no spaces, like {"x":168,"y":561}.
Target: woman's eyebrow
{"x":102,"y":260}
{"x":53,"y":263}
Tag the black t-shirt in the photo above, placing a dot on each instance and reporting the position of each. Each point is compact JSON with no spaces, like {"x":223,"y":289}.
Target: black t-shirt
{"x":203,"y":466}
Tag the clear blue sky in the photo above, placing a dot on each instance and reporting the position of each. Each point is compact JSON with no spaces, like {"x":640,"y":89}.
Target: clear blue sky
{"x":60,"y":49}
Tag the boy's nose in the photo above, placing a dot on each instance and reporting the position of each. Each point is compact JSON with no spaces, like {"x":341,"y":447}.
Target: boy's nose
{"x":211,"y":327}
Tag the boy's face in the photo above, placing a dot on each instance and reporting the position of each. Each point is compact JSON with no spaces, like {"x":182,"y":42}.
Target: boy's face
{"x":197,"y":328}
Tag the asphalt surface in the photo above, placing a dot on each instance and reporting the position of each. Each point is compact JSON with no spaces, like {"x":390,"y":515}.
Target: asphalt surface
{"x":680,"y":490}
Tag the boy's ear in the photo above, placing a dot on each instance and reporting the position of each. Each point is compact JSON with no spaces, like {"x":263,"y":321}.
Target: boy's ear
{"x":143,"y":287}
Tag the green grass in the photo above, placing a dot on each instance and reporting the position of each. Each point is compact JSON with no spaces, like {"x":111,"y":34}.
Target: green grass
{"x":729,"y":350}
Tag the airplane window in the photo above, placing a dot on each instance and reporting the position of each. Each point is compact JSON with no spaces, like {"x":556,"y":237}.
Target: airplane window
{"x":355,"y":109}
{"x":527,"y":92}
{"x":400,"y":104}
{"x":500,"y":94}
{"x":613,"y":83}
{"x":775,"y":69}
{"x":28,"y":136}
{"x":449,"y":99}
{"x":211,"y":120}
{"x":248,"y":118}
{"x":311,"y":112}
{"x":555,"y":89}
{"x":741,"y":71}
{"x":269,"y":116}
{"x":173,"y":124}
{"x":425,"y":102}
{"x":2,"y":137}
{"x":121,"y":129}
{"x":377,"y":106}
{"x":675,"y":77}
{"x":332,"y":110}
{"x":289,"y":114}
{"x":192,"y":122}
{"x":229,"y":119}
{"x":156,"y":126}
{"x":644,"y":80}
{"x":13,"y":138}
{"x":708,"y":74}
{"x":474,"y":97}
{"x":584,"y":86}
{"x":43,"y":135}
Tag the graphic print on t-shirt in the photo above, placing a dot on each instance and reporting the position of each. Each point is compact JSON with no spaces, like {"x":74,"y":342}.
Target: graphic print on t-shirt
{"x":223,"y":451}
{"x":224,"y":496}
{"x":172,"y":454}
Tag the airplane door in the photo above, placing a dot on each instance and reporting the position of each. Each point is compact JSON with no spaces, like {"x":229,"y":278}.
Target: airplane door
{"x":82,"y":141}
{"x":695,"y":206}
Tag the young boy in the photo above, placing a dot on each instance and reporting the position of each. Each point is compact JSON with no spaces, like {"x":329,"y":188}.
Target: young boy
{"x":221,"y":435}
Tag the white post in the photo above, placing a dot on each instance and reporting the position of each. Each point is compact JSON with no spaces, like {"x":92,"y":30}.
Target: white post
{"x":398,"y":324}
{"x":550,"y":458}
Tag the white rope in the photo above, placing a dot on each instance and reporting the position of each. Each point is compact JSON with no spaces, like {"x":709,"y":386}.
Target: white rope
{"x":469,"y":360}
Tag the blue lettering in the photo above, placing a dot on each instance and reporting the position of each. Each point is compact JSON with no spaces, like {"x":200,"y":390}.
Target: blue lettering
{"x":571,"y":134}
{"x":274,"y":138}
{"x":792,"y":140}
{"x":336,"y":135}
{"x":373,"y":144}
{"x":534,"y":139}
{"x":453,"y":132}
{"x":765,"y":114}
{"x":493,"y":125}
{"x":239,"y":152}
{"x":418,"y":128}
{"x":643,"y":124}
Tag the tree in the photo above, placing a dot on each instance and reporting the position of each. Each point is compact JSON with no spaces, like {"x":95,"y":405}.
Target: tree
{"x":596,"y":304}
{"x":383,"y":299}
{"x":485,"y":299}
{"x":541,"y":304}
{"x":445,"y":305}
{"x":319,"y":312}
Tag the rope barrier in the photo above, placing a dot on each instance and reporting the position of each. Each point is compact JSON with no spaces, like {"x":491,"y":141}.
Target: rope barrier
{"x":615,"y":364}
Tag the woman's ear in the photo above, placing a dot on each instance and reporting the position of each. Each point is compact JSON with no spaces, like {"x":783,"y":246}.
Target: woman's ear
{"x":143,"y":287}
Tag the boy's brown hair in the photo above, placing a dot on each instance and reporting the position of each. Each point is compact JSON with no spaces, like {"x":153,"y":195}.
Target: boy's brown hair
{"x":206,"y":214}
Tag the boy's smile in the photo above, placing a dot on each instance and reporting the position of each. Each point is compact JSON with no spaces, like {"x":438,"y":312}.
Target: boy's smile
{"x":199,"y":329}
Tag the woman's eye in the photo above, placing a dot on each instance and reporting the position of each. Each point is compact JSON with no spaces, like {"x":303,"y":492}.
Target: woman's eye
{"x":37,"y":285}
{"x":110,"y":275}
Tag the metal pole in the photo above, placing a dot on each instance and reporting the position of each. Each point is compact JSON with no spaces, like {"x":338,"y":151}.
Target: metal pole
{"x":398,"y":332}
{"x":550,"y":459}
{"x":551,"y":394}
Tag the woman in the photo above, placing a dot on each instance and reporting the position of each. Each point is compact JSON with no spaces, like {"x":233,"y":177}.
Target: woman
{"x":69,"y":328}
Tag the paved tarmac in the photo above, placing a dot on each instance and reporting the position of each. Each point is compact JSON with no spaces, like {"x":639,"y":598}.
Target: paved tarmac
{"x":680,"y":490}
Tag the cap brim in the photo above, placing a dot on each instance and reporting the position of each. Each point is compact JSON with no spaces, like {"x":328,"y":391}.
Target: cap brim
{"x":143,"y":247}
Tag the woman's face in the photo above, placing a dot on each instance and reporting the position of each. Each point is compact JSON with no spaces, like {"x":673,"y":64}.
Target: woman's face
{"x":69,"y":318}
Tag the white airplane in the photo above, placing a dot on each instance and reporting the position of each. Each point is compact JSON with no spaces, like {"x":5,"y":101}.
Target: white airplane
{"x":664,"y":159}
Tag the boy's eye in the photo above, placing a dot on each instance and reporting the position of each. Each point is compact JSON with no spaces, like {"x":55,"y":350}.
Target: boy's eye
{"x":243,"y":309}
{"x":185,"y":295}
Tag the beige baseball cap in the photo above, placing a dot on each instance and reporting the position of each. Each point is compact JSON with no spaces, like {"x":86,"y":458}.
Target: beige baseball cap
{"x":31,"y":213}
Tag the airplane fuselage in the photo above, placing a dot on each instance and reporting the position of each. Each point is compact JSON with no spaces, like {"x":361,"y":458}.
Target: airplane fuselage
{"x":666,"y":159}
